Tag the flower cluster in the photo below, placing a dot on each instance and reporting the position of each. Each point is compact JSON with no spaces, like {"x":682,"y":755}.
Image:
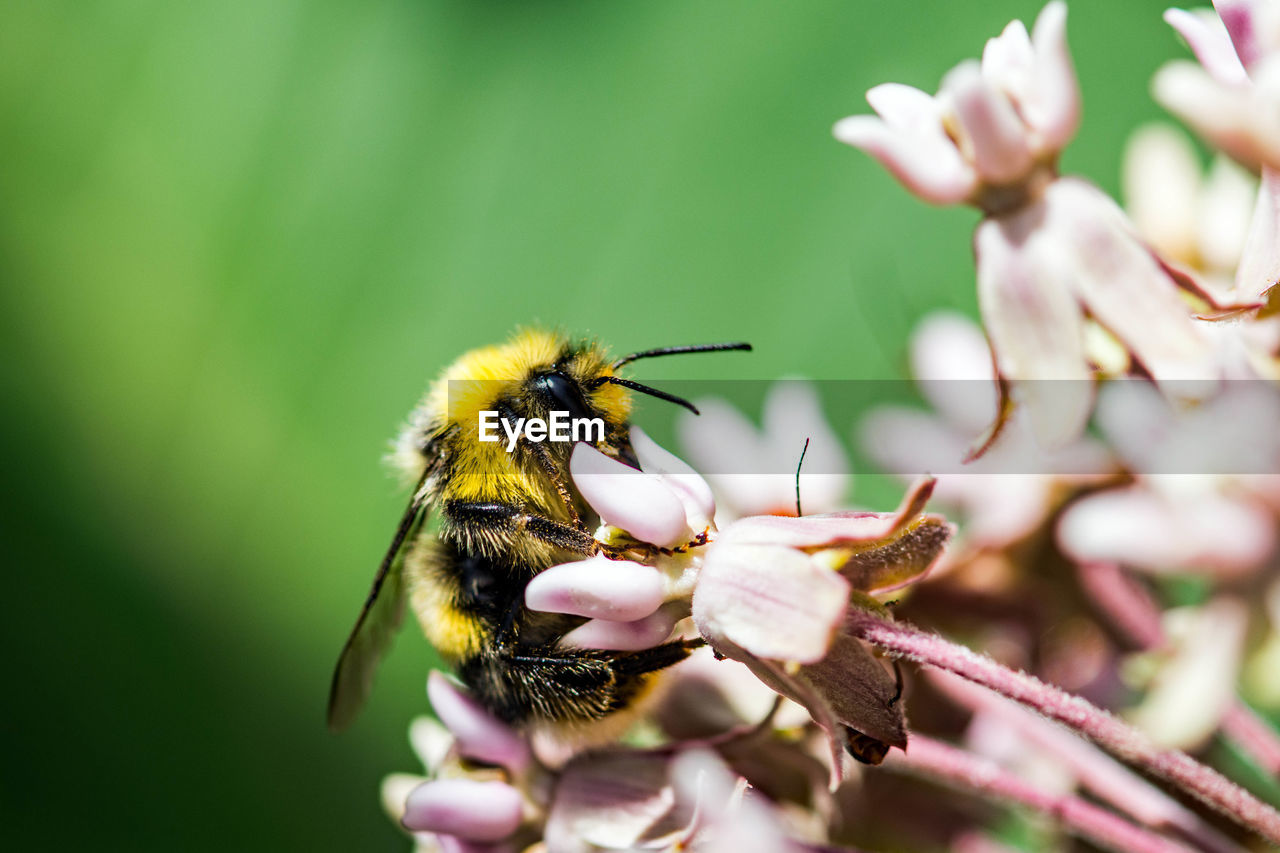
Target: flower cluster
{"x":1105,"y":443}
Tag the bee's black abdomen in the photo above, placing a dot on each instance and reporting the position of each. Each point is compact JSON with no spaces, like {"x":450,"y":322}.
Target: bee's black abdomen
{"x":548,"y":684}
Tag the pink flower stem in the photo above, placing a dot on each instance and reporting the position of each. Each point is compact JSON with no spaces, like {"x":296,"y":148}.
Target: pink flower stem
{"x":1122,"y":599}
{"x":1113,"y":735}
{"x":1253,"y":735}
{"x":937,"y":761}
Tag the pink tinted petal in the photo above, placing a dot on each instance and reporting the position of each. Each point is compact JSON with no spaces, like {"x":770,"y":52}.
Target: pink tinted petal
{"x":1193,"y":690}
{"x":1230,"y":118}
{"x":908,"y":442}
{"x":652,"y":630}
{"x":431,"y":741}
{"x":906,"y":108}
{"x":693,"y":491}
{"x":479,"y":734}
{"x":598,"y":588}
{"x":1008,"y":60}
{"x":1238,"y":18}
{"x":640,"y":504}
{"x":1162,"y":190}
{"x":1055,"y":110}
{"x":773,"y":602}
{"x":1036,"y":329}
{"x":728,"y":818}
{"x":1209,"y":41}
{"x":471,"y":810}
{"x":1000,"y":151}
{"x":1123,"y":286}
{"x":613,"y":801}
{"x":1139,"y":529}
{"x":1259,"y":269}
{"x":951,"y":361}
{"x":929,"y":167}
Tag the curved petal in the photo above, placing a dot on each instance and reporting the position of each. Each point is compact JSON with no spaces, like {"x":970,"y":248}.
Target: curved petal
{"x":1055,"y":111}
{"x":1001,"y":152}
{"x":1025,"y":290}
{"x":1124,"y":287}
{"x":652,"y":630}
{"x":693,"y":491}
{"x":475,"y":811}
{"x":932,"y":169}
{"x":1162,"y":189}
{"x":479,"y":734}
{"x":598,"y":588}
{"x":773,"y":602}
{"x":638,"y":503}
{"x":951,"y":361}
{"x":1210,"y":42}
{"x":1008,"y":60}
{"x":1259,"y":269}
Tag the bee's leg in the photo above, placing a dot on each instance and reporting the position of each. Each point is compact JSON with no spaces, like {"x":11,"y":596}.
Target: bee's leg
{"x":550,"y":684}
{"x":512,"y":518}
{"x":548,"y":465}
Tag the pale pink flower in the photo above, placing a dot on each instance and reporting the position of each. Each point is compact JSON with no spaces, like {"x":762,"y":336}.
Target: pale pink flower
{"x":454,"y":808}
{"x":993,"y":131}
{"x":1191,"y":682}
{"x":774,"y":593}
{"x":1050,"y":250}
{"x":1232,"y":99}
{"x":1008,"y":492}
{"x":1207,"y":488}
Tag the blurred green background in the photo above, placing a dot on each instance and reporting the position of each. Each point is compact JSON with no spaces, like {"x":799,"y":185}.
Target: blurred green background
{"x":237,"y":238}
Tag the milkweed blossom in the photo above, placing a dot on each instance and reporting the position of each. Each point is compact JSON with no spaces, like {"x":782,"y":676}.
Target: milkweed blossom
{"x":1059,"y":265}
{"x":1105,"y":445}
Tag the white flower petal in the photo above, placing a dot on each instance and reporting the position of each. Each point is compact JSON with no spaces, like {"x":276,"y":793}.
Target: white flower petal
{"x":479,"y":734}
{"x":772,"y":601}
{"x":652,"y":630}
{"x":598,"y":588}
{"x":1025,"y":291}
{"x":475,"y":811}
{"x":951,"y":361}
{"x":931,"y":168}
{"x":1193,"y":690}
{"x":638,"y":503}
{"x":1055,"y":111}
{"x":1259,"y":269}
{"x":688,"y":484}
{"x":1124,"y":287}
{"x":1230,"y":118}
{"x":1210,"y":42}
{"x":906,"y":108}
{"x":1009,"y":61}
{"x":1226,"y":207}
{"x":1161,"y":190}
{"x":1000,"y":150}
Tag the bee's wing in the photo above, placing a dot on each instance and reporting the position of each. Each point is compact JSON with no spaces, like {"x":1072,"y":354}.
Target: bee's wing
{"x":378,"y":622}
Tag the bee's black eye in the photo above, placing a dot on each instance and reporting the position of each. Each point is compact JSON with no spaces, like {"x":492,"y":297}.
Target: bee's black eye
{"x":562,"y":393}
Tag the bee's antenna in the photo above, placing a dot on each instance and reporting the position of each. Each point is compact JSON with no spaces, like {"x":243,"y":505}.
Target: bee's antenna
{"x":645,"y":389}
{"x":800,"y":465}
{"x":652,"y":353}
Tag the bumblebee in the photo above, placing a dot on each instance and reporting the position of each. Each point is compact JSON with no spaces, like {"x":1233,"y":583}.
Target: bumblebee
{"x":506,"y":513}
